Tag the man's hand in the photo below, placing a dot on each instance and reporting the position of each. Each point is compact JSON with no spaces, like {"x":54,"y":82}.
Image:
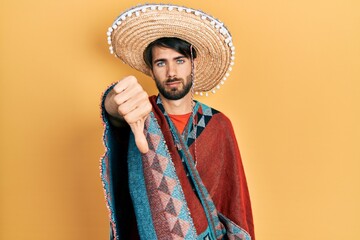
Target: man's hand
{"x":128,"y":102}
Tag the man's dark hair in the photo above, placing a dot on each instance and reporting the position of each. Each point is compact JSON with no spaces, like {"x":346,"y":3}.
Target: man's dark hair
{"x":177,"y":44}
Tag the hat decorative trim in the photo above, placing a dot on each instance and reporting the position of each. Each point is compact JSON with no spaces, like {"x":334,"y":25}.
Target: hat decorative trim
{"x":137,"y":27}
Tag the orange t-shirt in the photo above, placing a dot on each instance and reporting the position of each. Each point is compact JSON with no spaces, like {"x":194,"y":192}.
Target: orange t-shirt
{"x":180,"y":121}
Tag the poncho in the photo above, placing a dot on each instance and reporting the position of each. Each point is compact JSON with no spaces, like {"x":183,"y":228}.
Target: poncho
{"x":153,"y":195}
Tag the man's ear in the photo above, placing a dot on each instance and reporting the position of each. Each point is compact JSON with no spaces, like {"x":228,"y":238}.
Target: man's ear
{"x":195,"y":62}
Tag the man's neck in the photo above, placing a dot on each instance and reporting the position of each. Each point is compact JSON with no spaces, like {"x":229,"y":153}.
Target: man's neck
{"x":178,"y":107}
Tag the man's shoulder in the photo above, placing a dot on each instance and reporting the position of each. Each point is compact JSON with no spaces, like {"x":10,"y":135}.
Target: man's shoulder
{"x":216,"y":114}
{"x":206,"y":108}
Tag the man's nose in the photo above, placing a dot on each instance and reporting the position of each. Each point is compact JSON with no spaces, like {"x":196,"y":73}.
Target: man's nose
{"x":171,"y":71}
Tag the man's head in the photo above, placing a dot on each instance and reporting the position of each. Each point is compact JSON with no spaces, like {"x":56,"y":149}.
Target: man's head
{"x":136,"y":29}
{"x":170,"y":61}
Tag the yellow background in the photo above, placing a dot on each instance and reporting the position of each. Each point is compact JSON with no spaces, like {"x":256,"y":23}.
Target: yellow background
{"x":293,"y":98}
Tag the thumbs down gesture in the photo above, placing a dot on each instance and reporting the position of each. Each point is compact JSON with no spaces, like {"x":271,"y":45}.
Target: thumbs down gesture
{"x":128,"y":103}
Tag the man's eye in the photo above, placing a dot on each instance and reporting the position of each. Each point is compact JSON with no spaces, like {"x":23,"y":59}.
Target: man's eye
{"x":160,"y":64}
{"x":180,"y":61}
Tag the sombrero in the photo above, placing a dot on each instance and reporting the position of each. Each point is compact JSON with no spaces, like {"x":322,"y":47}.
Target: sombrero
{"x":137,"y":27}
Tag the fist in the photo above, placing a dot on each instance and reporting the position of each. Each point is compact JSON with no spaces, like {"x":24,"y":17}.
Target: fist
{"x":128,"y":102}
{"x":131,"y":100}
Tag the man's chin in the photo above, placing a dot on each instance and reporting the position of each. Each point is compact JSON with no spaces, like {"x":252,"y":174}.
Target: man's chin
{"x":173,"y":95}
{"x":174,"y":92}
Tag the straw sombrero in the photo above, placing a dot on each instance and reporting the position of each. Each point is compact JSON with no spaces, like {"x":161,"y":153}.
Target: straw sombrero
{"x":137,"y":27}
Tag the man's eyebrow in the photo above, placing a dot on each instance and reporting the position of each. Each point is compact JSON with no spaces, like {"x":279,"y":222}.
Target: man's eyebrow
{"x":164,"y":60}
{"x":179,"y":57}
{"x":159,"y":60}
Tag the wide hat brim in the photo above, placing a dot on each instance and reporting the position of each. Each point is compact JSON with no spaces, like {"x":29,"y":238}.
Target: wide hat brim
{"x":136,"y":28}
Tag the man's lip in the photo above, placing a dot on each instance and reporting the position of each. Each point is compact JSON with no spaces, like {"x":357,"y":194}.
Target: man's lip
{"x":173,"y":83}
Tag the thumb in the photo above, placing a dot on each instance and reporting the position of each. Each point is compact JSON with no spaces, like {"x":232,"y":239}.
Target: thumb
{"x":138,"y":129}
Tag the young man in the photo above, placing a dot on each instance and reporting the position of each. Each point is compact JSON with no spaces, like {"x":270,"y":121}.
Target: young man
{"x":172,"y":168}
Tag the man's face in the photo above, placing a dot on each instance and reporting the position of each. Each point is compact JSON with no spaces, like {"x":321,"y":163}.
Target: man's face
{"x":172,"y":73}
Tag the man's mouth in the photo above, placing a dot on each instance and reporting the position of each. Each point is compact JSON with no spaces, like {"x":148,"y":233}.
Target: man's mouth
{"x":173,"y":82}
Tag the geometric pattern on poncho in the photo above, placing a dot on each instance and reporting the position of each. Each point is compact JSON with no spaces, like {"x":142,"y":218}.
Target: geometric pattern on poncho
{"x":168,"y":187}
{"x":203,"y":117}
